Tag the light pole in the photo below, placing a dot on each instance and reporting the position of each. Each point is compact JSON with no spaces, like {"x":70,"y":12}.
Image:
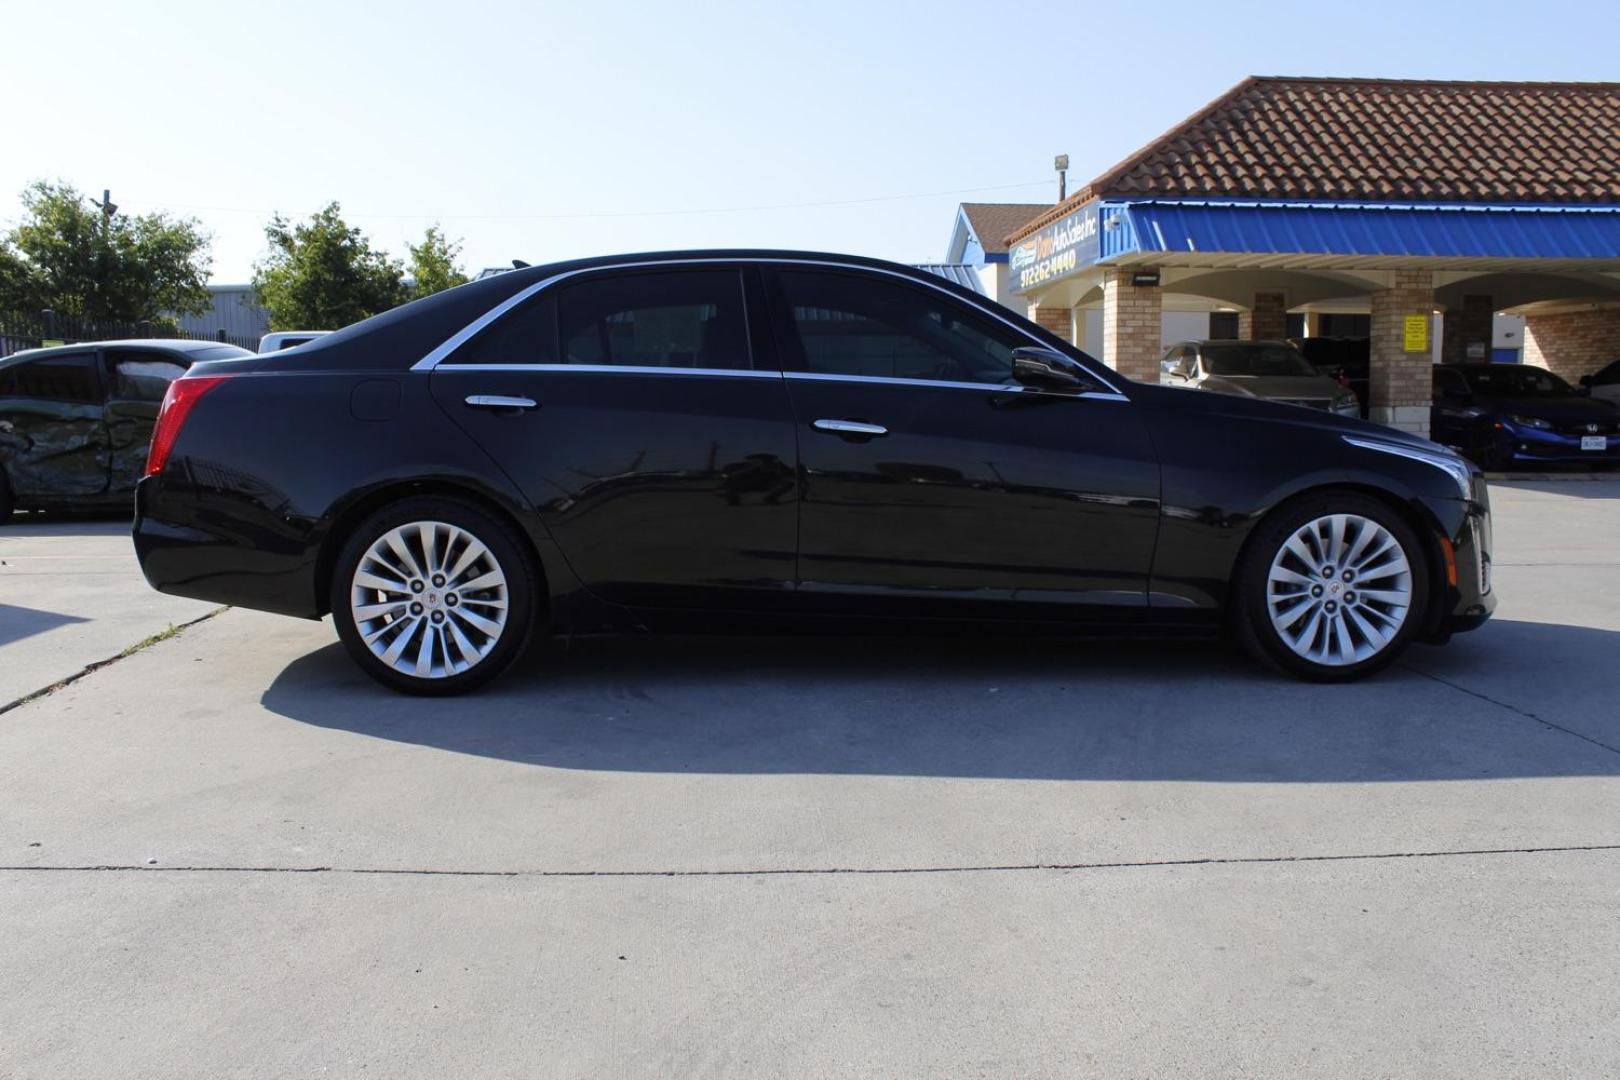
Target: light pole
{"x":1061,"y":164}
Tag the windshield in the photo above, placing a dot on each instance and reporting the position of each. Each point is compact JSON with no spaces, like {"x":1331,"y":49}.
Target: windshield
{"x":1249,"y":359}
{"x":1505,"y":381}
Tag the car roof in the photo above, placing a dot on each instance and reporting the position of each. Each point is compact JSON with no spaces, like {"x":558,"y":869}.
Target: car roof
{"x":184,"y":345}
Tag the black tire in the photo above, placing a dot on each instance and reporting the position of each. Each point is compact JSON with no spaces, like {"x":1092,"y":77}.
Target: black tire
{"x":511,"y":556}
{"x":1252,"y":615}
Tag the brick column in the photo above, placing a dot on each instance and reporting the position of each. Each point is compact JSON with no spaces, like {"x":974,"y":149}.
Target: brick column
{"x":1133,"y":326}
{"x":1059,"y":320}
{"x":1468,"y":325}
{"x":1402,"y":381}
{"x":1268,"y":318}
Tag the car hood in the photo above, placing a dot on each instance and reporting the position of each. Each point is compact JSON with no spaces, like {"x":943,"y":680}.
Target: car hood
{"x":1240,"y":407}
{"x":1276,"y":386}
{"x":1573,"y":410}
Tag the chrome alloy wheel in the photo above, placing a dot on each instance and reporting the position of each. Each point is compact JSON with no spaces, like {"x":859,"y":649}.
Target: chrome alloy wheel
{"x":1339,"y":590}
{"x":429,"y":599}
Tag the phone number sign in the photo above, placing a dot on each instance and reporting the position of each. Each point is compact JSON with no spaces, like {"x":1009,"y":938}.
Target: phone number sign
{"x":1057,"y":250}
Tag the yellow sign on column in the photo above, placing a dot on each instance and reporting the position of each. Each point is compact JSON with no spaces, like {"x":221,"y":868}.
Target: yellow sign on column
{"x":1416,"y":333}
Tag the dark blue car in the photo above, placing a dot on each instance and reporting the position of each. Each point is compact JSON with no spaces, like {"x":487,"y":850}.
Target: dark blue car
{"x":1504,"y":414}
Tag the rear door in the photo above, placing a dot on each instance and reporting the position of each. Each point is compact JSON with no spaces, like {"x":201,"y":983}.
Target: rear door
{"x":639,"y":414}
{"x":136,"y":381}
{"x":933,"y":485}
{"x":53,"y":442}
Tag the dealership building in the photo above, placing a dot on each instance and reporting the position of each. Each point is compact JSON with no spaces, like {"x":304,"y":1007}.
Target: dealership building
{"x":1416,"y":214}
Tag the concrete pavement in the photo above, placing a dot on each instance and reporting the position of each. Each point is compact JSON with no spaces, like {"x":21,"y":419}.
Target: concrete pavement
{"x":71,"y":594}
{"x":834,"y":857}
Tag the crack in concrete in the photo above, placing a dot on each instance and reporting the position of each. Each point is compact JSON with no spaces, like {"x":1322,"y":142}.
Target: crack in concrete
{"x":174,"y":630}
{"x":1008,"y":868}
{"x":1511,"y":708}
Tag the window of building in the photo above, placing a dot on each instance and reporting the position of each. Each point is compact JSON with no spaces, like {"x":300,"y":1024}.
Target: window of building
{"x":863,"y":326}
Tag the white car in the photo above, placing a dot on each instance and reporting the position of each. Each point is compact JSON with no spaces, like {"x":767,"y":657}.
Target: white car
{"x":288,"y":339}
{"x":1605,"y":384}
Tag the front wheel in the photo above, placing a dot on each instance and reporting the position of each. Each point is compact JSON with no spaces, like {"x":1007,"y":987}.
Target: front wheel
{"x":433,"y":596}
{"x":1332,"y":588}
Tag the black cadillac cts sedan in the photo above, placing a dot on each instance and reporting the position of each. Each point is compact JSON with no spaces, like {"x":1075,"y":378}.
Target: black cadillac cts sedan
{"x":758,"y":439}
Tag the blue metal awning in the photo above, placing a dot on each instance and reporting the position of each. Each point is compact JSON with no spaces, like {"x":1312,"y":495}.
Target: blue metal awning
{"x":1359,"y":230}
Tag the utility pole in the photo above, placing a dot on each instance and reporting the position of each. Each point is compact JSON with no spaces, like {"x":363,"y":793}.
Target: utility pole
{"x":1061,"y":164}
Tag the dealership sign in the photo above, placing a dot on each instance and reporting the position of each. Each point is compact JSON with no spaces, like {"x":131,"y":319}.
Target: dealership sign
{"x":1060,"y":248}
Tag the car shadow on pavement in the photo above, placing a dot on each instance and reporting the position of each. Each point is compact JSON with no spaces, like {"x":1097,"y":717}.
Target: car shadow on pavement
{"x":17,"y":623}
{"x":1005,"y":708}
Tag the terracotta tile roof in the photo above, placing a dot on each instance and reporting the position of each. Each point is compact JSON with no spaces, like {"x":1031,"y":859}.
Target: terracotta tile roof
{"x":1376,"y":139}
{"x":991,"y":222}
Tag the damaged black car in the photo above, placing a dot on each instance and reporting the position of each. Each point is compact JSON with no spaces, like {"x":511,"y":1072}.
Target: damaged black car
{"x":75,"y":420}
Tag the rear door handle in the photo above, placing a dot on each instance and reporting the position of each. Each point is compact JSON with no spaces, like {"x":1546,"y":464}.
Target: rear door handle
{"x":850,"y":427}
{"x":500,"y":402}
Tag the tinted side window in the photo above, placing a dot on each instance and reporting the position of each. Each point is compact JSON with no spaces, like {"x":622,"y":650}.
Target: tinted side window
{"x":59,"y":378}
{"x":674,"y":319}
{"x":142,"y":376}
{"x":869,"y":326}
{"x":525,"y":335}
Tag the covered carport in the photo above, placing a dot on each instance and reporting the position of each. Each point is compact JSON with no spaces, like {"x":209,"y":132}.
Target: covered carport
{"x":1429,"y":207}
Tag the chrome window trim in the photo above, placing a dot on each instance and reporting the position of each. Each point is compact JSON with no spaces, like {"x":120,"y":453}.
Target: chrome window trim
{"x":619,"y":369}
{"x":992,"y":388}
{"x":755,"y":373}
{"x":434,"y":358}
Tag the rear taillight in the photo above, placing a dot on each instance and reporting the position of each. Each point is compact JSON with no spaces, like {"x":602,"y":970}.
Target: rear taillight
{"x":183,"y":394}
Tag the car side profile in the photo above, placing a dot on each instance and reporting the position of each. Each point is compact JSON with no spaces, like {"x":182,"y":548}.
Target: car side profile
{"x":75,"y":420}
{"x":1273,"y":370}
{"x":699,"y":440}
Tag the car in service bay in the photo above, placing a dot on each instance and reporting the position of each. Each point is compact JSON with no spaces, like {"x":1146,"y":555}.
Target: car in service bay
{"x":1503,"y":415}
{"x":699,"y":440}
{"x":75,"y":420}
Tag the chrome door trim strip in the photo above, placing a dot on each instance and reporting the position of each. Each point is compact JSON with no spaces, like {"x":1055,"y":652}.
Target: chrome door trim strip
{"x":618,"y":369}
{"x":989,"y":388}
{"x":459,"y":338}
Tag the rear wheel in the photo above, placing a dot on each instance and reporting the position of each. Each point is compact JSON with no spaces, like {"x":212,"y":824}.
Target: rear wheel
{"x":433,"y":596}
{"x":1331,"y":588}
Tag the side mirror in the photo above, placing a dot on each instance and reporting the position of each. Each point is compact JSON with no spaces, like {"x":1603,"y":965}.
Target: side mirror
{"x":1049,"y":371}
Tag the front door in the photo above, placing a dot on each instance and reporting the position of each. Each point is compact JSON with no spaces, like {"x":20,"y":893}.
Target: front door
{"x":932,"y":484}
{"x":628,"y":408}
{"x":53,"y":443}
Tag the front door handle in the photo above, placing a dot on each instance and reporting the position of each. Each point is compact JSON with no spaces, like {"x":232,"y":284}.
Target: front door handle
{"x":500,"y":402}
{"x":850,"y":427}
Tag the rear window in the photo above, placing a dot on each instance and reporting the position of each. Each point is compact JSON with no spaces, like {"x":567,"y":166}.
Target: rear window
{"x":218,"y":352}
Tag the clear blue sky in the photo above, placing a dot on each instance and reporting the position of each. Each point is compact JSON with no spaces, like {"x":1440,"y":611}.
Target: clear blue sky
{"x":549,"y":130}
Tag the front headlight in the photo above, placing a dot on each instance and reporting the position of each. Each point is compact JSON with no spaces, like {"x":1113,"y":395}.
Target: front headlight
{"x":1444,"y":460}
{"x":1530,"y":422}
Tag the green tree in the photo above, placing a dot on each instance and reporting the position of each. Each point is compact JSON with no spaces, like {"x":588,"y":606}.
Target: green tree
{"x":433,"y":263}
{"x":65,"y":254}
{"x":323,"y":274}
